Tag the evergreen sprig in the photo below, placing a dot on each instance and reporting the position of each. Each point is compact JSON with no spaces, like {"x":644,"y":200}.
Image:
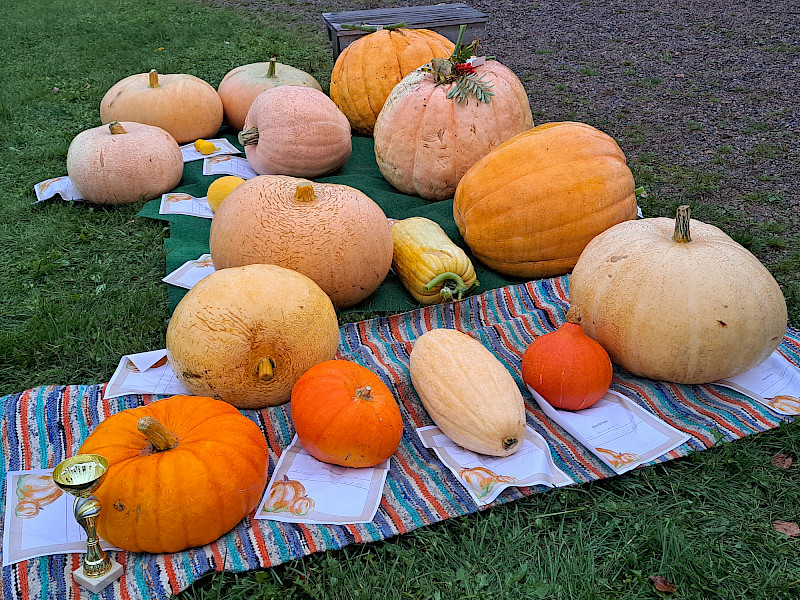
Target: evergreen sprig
{"x":471,"y":84}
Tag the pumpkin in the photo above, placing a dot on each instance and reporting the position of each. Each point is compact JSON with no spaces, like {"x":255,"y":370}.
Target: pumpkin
{"x":346,"y":415}
{"x":431,"y":129}
{"x":246,"y":334}
{"x":529,"y":207}
{"x":332,"y":233}
{"x":566,"y":367}
{"x":182,"y":472}
{"x":299,"y":131}
{"x":184,"y":105}
{"x":366,"y":71}
{"x":467,"y":392}
{"x":288,"y":495}
{"x":124,"y":162}
{"x":242,"y":85}
{"x":678,"y":300}
{"x":430,"y":266}
{"x":220,"y":188}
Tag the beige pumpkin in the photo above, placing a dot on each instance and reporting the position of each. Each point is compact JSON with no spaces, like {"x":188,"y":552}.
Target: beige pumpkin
{"x":242,"y":85}
{"x":245,"y":335}
{"x":297,"y":131}
{"x":334,"y":234}
{"x":184,"y":105}
{"x":677,"y":300}
{"x":124,"y":162}
{"x":468,"y":393}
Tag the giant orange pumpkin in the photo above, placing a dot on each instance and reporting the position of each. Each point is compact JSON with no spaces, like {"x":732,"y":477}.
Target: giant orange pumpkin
{"x":367,"y":70}
{"x":345,"y":415}
{"x":529,"y":207}
{"x":182,"y":472}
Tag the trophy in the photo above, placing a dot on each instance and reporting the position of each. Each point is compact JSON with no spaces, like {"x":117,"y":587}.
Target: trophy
{"x":79,"y":476}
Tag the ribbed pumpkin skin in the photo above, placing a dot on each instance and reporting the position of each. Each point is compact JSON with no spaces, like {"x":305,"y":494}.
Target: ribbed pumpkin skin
{"x":341,"y":238}
{"x":232,"y":320}
{"x":184,"y":497}
{"x":127,"y":167}
{"x":368,"y":69}
{"x":468,"y":393}
{"x":242,"y":85}
{"x":184,"y":105}
{"x":425,"y":142}
{"x":529,"y":207}
{"x":682,"y":312}
{"x":301,"y":133}
{"x":339,"y":422}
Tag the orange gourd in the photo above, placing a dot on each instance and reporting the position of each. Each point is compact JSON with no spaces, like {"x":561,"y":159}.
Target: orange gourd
{"x":566,"y":367}
{"x":182,"y":472}
{"x":345,"y":415}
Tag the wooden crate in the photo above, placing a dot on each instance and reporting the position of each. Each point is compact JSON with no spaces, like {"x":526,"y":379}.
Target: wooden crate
{"x":444,"y":19}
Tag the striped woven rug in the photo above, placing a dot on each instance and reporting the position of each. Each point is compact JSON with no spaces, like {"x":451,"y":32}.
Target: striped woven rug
{"x":42,"y":426}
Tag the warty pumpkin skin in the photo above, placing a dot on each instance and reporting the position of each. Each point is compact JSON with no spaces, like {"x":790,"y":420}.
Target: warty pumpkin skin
{"x":368,"y":69}
{"x":332,"y":233}
{"x":246,"y":334}
{"x":680,"y":311}
{"x":124,"y":162}
{"x":184,"y":105}
{"x":181,"y":496}
{"x":530,"y":206}
{"x":426,"y":142}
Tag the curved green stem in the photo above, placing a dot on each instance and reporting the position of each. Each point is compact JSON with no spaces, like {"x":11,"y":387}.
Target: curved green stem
{"x":372,"y":28}
{"x":441,"y":277}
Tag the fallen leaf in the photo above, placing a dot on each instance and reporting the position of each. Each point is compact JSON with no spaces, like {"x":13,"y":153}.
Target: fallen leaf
{"x":782,"y":461}
{"x":662,"y":585}
{"x":790,"y":528}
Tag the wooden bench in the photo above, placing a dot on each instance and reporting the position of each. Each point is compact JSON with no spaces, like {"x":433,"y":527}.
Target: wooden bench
{"x":444,"y":19}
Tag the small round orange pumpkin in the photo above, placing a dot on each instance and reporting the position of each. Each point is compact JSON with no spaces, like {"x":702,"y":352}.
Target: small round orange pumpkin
{"x":345,"y":415}
{"x":566,"y":367}
{"x":182,"y":472}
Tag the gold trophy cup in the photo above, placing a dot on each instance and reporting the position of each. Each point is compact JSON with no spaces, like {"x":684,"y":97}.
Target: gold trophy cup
{"x":80,"y":476}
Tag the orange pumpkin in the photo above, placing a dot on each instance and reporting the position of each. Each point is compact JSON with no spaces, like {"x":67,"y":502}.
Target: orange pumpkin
{"x":566,"y":367}
{"x":183,"y":471}
{"x":530,"y":206}
{"x":345,"y":415}
{"x":367,"y":70}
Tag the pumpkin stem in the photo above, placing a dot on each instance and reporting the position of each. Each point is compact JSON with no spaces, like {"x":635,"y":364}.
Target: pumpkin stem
{"x":364,"y":393}
{"x":682,"y":217}
{"x":574,"y":315}
{"x":159,"y":436}
{"x":509,"y":442}
{"x":248,"y":137}
{"x":372,"y":28}
{"x":305,"y":193}
{"x":153,"y":76}
{"x":271,"y":69}
{"x":115,"y":127}
{"x":266,"y":369}
{"x":442,"y":277}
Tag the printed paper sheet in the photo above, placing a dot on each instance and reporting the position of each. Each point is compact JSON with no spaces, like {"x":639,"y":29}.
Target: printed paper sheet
{"x":190,"y":272}
{"x":485,"y":477}
{"x":775,"y":383}
{"x":176,"y":203}
{"x":228,"y":165}
{"x":305,"y":490}
{"x":57,"y":186}
{"x":144,"y":373}
{"x":223,"y":147}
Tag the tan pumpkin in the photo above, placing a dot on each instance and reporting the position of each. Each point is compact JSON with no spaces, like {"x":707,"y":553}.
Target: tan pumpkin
{"x":468,"y":392}
{"x":298,"y":131}
{"x":332,"y":233}
{"x":678,"y":300}
{"x":184,"y":105}
{"x":426,"y":141}
{"x":124,"y":162}
{"x":242,"y":85}
{"x":367,"y":70}
{"x":530,"y":206}
{"x":245,"y":335}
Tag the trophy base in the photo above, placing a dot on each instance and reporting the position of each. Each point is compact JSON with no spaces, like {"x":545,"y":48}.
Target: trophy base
{"x":95,"y":584}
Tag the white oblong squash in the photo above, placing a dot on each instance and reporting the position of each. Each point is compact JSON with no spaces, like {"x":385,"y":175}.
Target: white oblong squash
{"x":468,"y":393}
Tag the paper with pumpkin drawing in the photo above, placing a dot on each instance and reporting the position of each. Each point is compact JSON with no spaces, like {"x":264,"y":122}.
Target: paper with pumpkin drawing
{"x":223,"y":146}
{"x":144,"y":373}
{"x":56,"y":186}
{"x":617,"y":430}
{"x":190,"y":272}
{"x":38,"y":518}
{"x":305,"y":490}
{"x":485,"y":477}
{"x":228,"y":165}
{"x":775,"y":383}
{"x":178,"y":203}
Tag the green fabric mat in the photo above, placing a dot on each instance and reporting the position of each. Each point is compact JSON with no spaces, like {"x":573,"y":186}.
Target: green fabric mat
{"x":188,"y":237}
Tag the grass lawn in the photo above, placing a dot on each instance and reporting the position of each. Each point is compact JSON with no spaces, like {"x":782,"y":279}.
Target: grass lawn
{"x":81,"y":287}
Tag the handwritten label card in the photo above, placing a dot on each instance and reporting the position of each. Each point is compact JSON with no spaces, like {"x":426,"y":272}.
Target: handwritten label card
{"x":484,"y":477}
{"x":144,"y":373}
{"x":228,"y":165}
{"x":190,"y":153}
{"x":617,"y":430}
{"x":775,"y":383}
{"x":57,"y":186}
{"x":305,"y":490}
{"x":190,"y":272}
{"x":176,"y":203}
